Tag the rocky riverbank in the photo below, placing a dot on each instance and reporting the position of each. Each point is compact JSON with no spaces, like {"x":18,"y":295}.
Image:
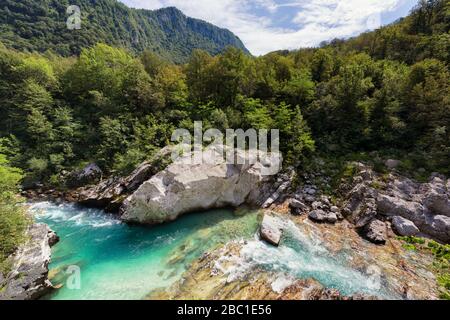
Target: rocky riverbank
{"x":28,"y":278}
{"x":361,"y":220}
{"x":374,"y":203}
{"x":238,"y":270}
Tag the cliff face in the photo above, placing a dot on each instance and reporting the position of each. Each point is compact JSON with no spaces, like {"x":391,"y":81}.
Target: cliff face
{"x":28,"y":279}
{"x":41,"y":26}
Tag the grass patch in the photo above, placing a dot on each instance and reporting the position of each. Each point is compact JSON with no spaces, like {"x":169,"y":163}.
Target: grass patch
{"x":441,"y":263}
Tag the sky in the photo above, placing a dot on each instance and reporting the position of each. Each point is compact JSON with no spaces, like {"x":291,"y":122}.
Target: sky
{"x":269,"y":25}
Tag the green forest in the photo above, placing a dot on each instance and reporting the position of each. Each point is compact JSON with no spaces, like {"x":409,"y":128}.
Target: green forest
{"x":386,"y":91}
{"x":29,"y":25}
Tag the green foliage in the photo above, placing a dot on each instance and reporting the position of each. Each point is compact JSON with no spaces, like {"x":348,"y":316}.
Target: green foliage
{"x":322,"y":65}
{"x":13,"y":219}
{"x":441,"y":264}
{"x":256,"y":114}
{"x":385,"y":91}
{"x":30,"y":25}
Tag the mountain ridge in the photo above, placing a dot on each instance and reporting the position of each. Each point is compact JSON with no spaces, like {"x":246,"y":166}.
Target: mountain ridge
{"x":32,"y":26}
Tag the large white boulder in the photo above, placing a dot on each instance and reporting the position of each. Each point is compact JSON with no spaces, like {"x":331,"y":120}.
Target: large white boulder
{"x":184,"y":187}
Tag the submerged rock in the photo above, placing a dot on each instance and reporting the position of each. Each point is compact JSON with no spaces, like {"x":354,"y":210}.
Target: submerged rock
{"x":28,"y":278}
{"x":271,"y":230}
{"x":184,"y":187}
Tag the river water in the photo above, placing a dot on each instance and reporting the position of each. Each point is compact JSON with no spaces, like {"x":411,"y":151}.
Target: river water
{"x":118,"y":261}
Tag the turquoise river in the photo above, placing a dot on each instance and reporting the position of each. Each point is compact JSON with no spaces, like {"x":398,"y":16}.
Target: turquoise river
{"x":118,"y":261}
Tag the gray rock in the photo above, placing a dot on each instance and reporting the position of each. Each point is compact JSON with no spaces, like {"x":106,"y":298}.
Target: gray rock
{"x":277,"y":194}
{"x":110,"y":194}
{"x":367,"y":175}
{"x":318,"y":205}
{"x":438,"y":227}
{"x":90,"y":174}
{"x":297,"y":207}
{"x":394,"y":206}
{"x":437,"y":175}
{"x":335,"y":209}
{"x":310,"y":191}
{"x":271,"y":230}
{"x":184,"y":187}
{"x":404,"y":227}
{"x":325,"y":200}
{"x":323,"y":216}
{"x":438,"y":202}
{"x":375,"y":232}
{"x":360,"y":206}
{"x":104,"y":195}
{"x":28,"y":279}
{"x":297,"y":204}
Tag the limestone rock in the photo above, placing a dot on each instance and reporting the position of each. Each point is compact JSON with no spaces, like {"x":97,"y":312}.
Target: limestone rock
{"x":271,"y":230}
{"x":360,"y":207}
{"x":404,"y":227}
{"x":280,"y":189}
{"x":438,"y":202}
{"x":335,"y":209}
{"x":88,"y":175}
{"x":323,"y":216}
{"x":297,"y":207}
{"x":184,"y":187}
{"x":395,"y":206}
{"x":438,"y":227}
{"x":375,"y":232}
{"x":110,"y":194}
{"x":28,"y":279}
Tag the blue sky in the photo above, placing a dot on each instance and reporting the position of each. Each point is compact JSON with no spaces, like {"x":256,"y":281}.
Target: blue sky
{"x":268,"y":25}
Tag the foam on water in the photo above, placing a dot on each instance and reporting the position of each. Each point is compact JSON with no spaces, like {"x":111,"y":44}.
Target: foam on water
{"x":302,"y":256}
{"x":118,"y":261}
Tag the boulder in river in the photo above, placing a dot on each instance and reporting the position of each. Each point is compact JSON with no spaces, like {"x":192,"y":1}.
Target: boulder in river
{"x":28,"y":278}
{"x":271,"y":230}
{"x":185,"y":187}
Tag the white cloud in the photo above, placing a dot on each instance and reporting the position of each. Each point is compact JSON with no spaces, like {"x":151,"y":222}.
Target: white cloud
{"x":312,"y":21}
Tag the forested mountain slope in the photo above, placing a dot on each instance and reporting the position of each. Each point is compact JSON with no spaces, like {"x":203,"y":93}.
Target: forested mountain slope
{"x":39,"y":25}
{"x":368,"y":96}
{"x":382,"y":95}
